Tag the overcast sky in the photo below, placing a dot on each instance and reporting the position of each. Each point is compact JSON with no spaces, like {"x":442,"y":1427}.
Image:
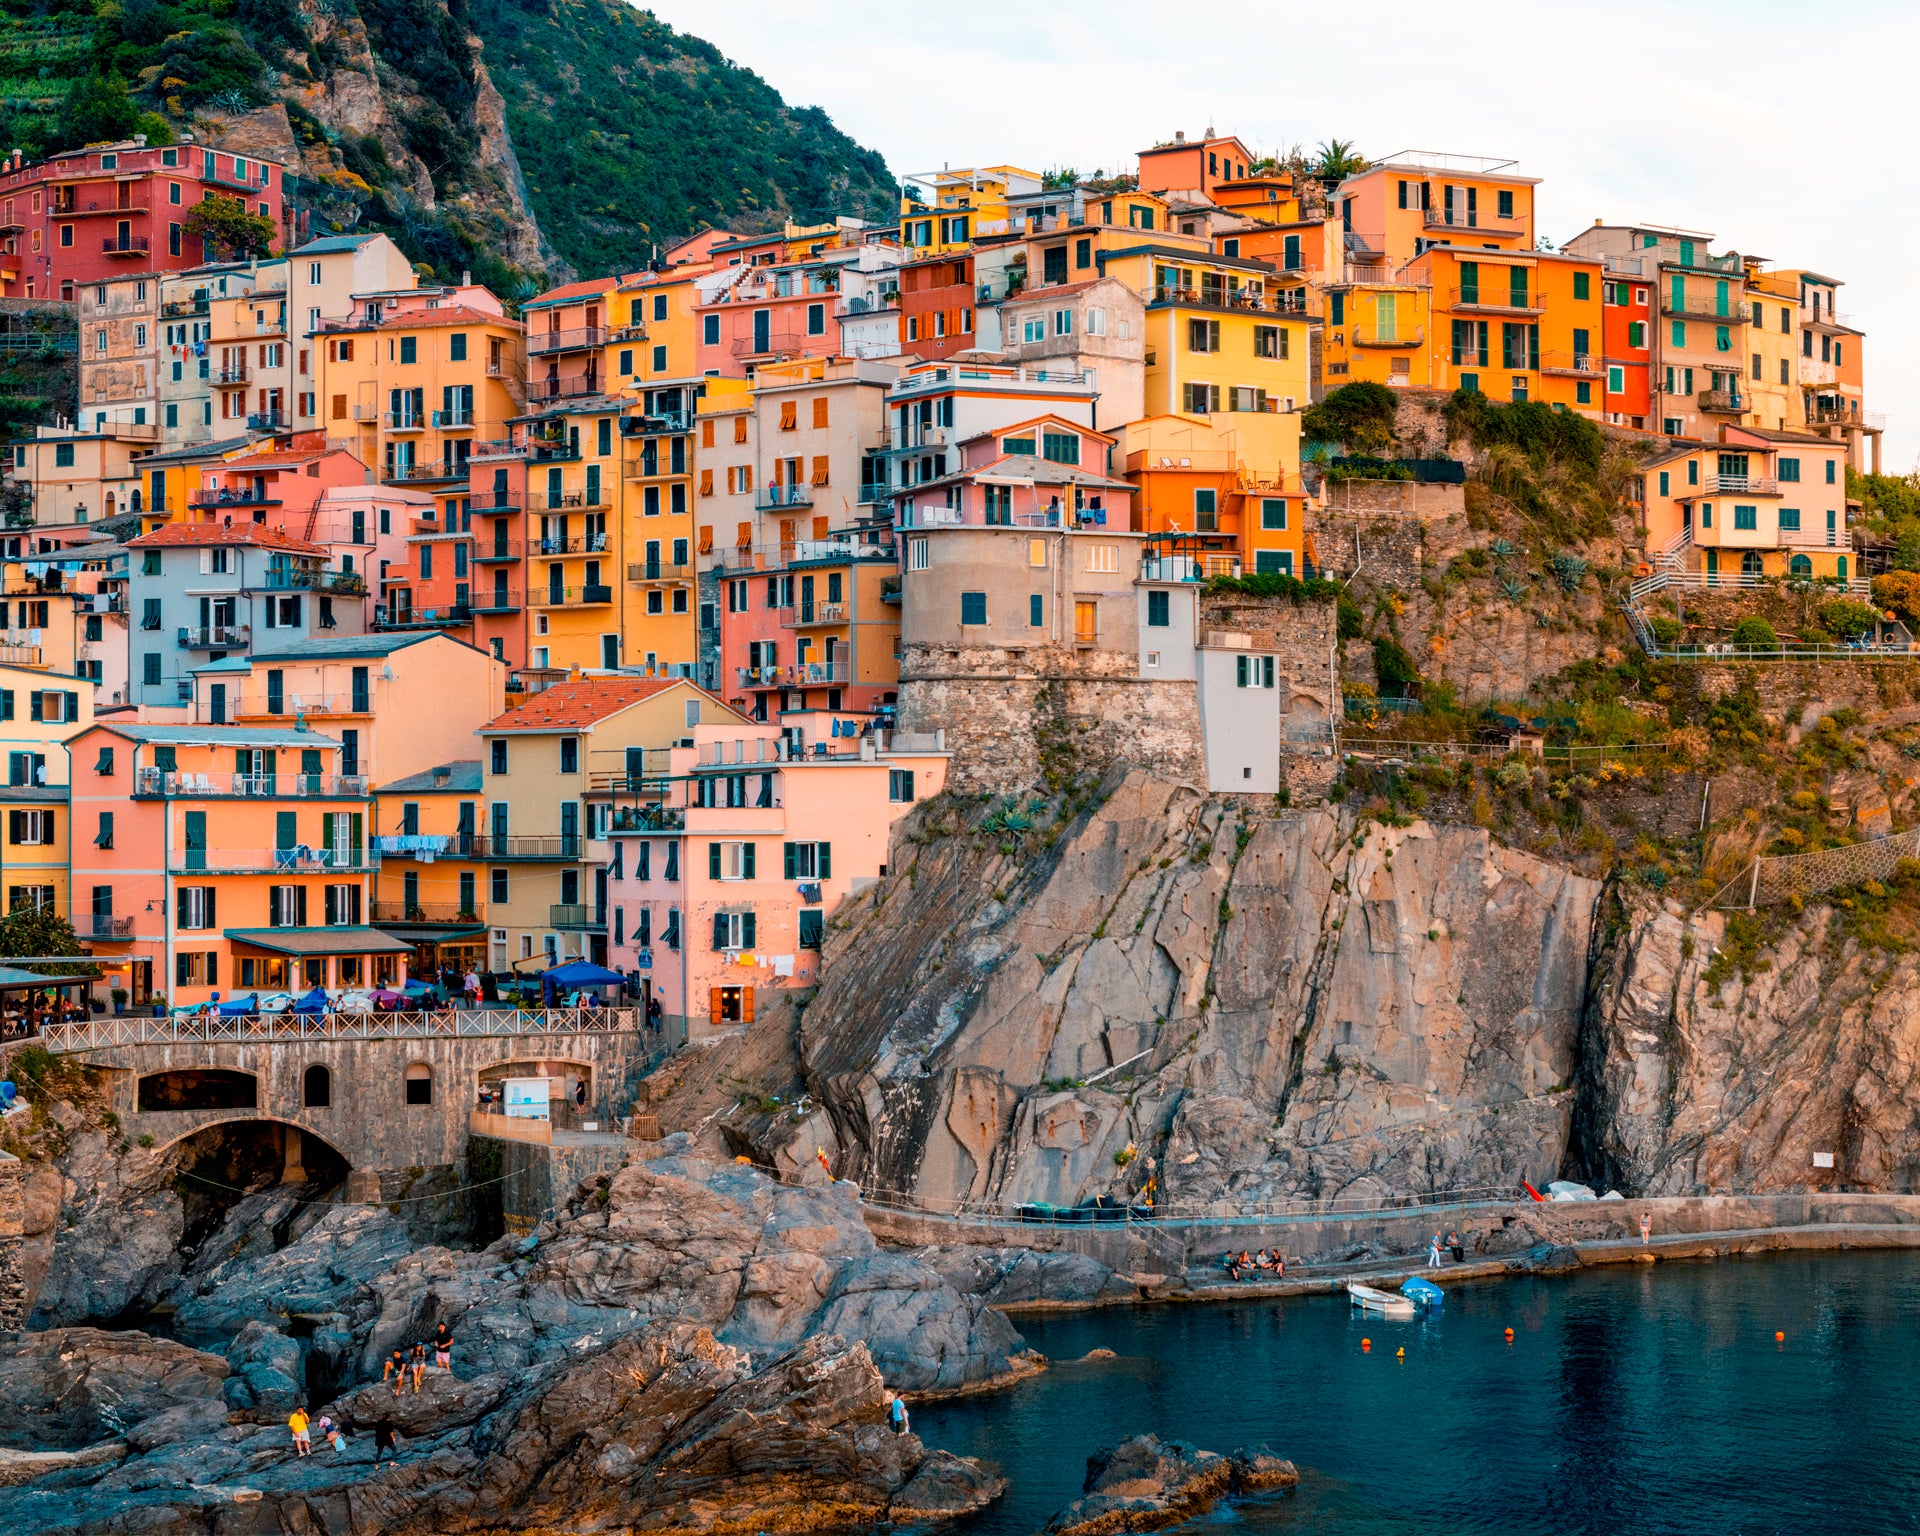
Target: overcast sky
{"x":1786,"y":129}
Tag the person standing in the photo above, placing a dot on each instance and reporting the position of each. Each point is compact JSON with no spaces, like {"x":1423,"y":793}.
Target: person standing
{"x":443,"y":1349}
{"x":383,"y":1440}
{"x":297,"y":1422}
{"x":897,"y":1413}
{"x":1646,"y":1228}
{"x":1433,"y":1252}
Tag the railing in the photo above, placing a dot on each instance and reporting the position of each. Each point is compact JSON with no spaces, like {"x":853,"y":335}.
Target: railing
{"x":105,"y":1031}
{"x":570,"y":501}
{"x":88,"y":924}
{"x":1691,"y":308}
{"x":237,"y":374}
{"x":539,"y":342}
{"x":769,"y":497}
{"x":215,"y":636}
{"x":800,"y":615}
{"x":550,"y":450}
{"x":1485,"y":297}
{"x":1363,"y":336}
{"x":283,"y":579}
{"x":575,"y":916}
{"x":768,"y":557}
{"x":230,"y":498}
{"x":428,"y":471}
{"x":175,"y":309}
{"x":570,"y":597}
{"x":20,"y":655}
{"x":129,"y":245}
{"x":660,"y":424}
{"x":301,"y":860}
{"x":1738,"y":485}
{"x":292,"y":704}
{"x":442,"y":913}
{"x":462,"y":418}
{"x":584,"y":387}
{"x":561,"y":846}
{"x":1625,"y":266}
{"x":652,"y":818}
{"x":1252,"y":300}
{"x":655,"y":762}
{"x":1586,"y":365}
{"x":155,"y":782}
{"x":1722,"y":400}
{"x":495,"y":602}
{"x":266,"y":421}
{"x":913,"y":440}
{"x":659,"y":570}
{"x":499,"y":549}
{"x":405,"y":421}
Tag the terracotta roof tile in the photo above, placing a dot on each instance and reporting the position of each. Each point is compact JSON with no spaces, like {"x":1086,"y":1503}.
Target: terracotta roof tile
{"x":196,"y":535}
{"x":583,"y":701}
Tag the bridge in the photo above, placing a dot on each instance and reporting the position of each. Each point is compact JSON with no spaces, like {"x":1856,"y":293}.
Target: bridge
{"x":389,"y":1094}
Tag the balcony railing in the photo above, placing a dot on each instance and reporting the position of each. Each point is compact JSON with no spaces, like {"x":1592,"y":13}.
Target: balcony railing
{"x":575,"y":916}
{"x":1699,"y":307}
{"x":126,"y":245}
{"x":1738,"y":485}
{"x":808,"y":674}
{"x":1372,"y":336}
{"x":402,"y":473}
{"x":413,"y":845}
{"x":592,"y":544}
{"x":495,"y":602}
{"x":289,"y":580}
{"x":659,"y":570}
{"x":404,"y":421}
{"x":445,"y":914}
{"x":295,"y":704}
{"x":569,"y":501}
{"x":801,"y":615}
{"x":230,"y":498}
{"x":561,"y":846}
{"x":1585,"y":365}
{"x":267,"y":421}
{"x":178,"y":309}
{"x":215,"y":637}
{"x":543,"y":450}
{"x":571,"y":597}
{"x":237,"y":374}
{"x":771,"y":557}
{"x":1722,"y":400}
{"x":1504,"y":299}
{"x":302,"y":860}
{"x":660,"y":424}
{"x":88,"y":924}
{"x":1254,"y":301}
{"x":770,"y":497}
{"x":1625,"y":266}
{"x":542,"y":342}
{"x":499,"y":549}
{"x":444,"y":420}
{"x":154,"y":783}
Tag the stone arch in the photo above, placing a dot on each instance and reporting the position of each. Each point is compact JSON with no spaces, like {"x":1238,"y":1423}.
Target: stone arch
{"x":316,"y":1087}
{"x":330,"y":1142}
{"x":571,"y":1069}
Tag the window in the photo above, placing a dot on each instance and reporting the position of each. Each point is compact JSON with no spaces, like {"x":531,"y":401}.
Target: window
{"x":1253,"y":671}
{"x":1060,"y":447}
{"x":569,"y":754}
{"x":1693,"y":471}
{"x":1036,"y":552}
{"x":1679,"y":333}
{"x":1746,"y":518}
{"x":1580,"y":279}
{"x":731,"y":930}
{"x":1063,"y":322}
{"x":1616,"y":380}
{"x":1790,"y":519}
{"x":1636,"y":333}
{"x":1269,"y":341}
{"x":419,"y":1083}
{"x":1830,"y":479}
{"x":807,"y":861}
{"x":916,"y":554}
{"x":194,"y":907}
{"x":729,"y":861}
{"x":1199,"y":399}
{"x":1159,"y":610}
{"x":1103,"y":559}
{"x":1273,"y":513}
{"x":409,"y":349}
{"x":1206,"y":510}
{"x":497,"y":755}
{"x":1789,"y":470}
{"x":104,"y":837}
{"x":816,"y":319}
{"x":1203,"y":335}
{"x":973,"y":607}
{"x":1722,"y":338}
{"x":1273,"y":562}
{"x":710,"y":330}
{"x":900,"y":784}
{"x":1506,"y":212}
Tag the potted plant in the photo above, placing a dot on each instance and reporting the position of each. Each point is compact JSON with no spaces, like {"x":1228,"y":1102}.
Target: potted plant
{"x":119,"y":995}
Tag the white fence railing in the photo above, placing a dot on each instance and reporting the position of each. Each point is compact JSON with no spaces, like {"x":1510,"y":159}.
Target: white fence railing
{"x":435,"y":1023}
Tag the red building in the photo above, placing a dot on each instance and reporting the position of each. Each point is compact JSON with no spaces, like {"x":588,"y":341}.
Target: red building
{"x":1626,"y":322}
{"x":111,"y":209}
{"x":936,"y":307}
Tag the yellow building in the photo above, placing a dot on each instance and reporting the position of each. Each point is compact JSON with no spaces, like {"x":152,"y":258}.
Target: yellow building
{"x":1759,"y":504}
{"x":1220,"y":338}
{"x":966,"y":203}
{"x":1772,"y":397}
{"x":1381,"y":336}
{"x":40,"y":712}
{"x":575,"y":534}
{"x":1407,"y":202}
{"x":546,"y":865}
{"x":431,"y":881}
{"x":655,"y":330}
{"x":412,"y":379}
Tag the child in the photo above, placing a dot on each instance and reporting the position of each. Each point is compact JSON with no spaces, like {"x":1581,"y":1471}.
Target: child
{"x":297,"y":1422}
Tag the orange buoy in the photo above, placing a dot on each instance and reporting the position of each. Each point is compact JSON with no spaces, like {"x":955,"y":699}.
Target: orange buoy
{"x":1509,"y":1335}
{"x":1366,"y":1346}
{"x":1400,"y":1354}
{"x":1779,"y":1338}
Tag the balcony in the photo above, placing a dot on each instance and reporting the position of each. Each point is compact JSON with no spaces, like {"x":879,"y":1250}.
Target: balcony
{"x":1691,"y":307}
{"x":163,"y":783}
{"x":125,"y":245}
{"x":491,"y":505}
{"x":770,"y":498}
{"x":404,"y":421}
{"x":216,"y":637}
{"x":183,"y":309}
{"x":302,"y":860}
{"x":450,"y":421}
{"x":634,"y":332}
{"x":659,"y":570}
{"x":1725,"y":401}
{"x":88,"y":924}
{"x":1580,"y":365}
{"x":267,"y":421}
{"x":495,"y":603}
{"x":404,"y":473}
{"x":914,"y":439}
{"x":348,"y":583}
{"x":226,"y":500}
{"x":1625,"y":266}
{"x":226,"y":378}
{"x":806,"y":615}
{"x":783,"y":341}
{"x":801,"y":675}
{"x":570,"y":501}
{"x":1504,"y":301}
{"x":661,"y":424}
{"x":1738,"y":485}
{"x":422,"y":618}
{"x":410,"y":845}
{"x":576,"y":917}
{"x":584,"y":387}
{"x":542,"y":343}
{"x":571,"y":597}
{"x":294,"y":704}
{"x":499,"y":549}
{"x":1245,"y":300}
{"x":565,"y":846}
{"x":551,"y":450}
{"x":1370,"y":336}
{"x":430,"y":914}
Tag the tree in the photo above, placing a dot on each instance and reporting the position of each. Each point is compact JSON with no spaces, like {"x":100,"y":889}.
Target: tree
{"x":29,"y":930}
{"x":1338,"y":160}
{"x":1359,"y":416}
{"x":226,"y":222}
{"x":97,"y":110}
{"x":1754,"y":633}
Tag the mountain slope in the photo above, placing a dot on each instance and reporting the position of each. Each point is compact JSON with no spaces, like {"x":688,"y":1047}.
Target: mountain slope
{"x":523,"y":140}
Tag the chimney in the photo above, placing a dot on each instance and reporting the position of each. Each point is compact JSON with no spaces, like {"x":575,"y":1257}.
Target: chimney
{"x":466,"y":277}
{"x":1179,"y":135}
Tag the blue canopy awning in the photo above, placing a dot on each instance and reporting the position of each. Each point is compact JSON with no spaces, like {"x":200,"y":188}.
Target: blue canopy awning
{"x":583,"y":973}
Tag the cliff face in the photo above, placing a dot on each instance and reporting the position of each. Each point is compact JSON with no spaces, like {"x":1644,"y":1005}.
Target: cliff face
{"x":1249,"y":1005}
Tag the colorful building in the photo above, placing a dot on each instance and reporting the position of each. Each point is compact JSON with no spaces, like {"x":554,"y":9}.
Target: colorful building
{"x":1755,"y":505}
{"x":1229,"y":483}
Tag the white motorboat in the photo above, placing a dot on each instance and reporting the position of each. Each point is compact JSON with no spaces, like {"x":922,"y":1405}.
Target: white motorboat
{"x":1385,"y":1303}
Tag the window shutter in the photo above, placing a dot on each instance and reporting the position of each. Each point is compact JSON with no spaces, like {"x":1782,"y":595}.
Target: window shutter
{"x":713,"y":1003}
{"x":358,"y":823}
{"x":824,"y":865}
{"x":180,"y":906}
{"x":333,"y":907}
{"x":300,"y":906}
{"x":48,"y":834}
{"x":326,"y":831}
{"x":746,"y":860}
{"x":719,"y":940}
{"x":207,"y":903}
{"x":73,"y":708}
{"x":746,"y":930}
{"x":746,"y":1005}
{"x":16,"y":826}
{"x":713,"y":861}
{"x":788,"y":862}
{"x":213,"y":967}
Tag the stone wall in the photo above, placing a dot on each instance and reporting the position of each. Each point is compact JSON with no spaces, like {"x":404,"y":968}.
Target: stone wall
{"x":1408,"y":497}
{"x":1390,"y":548}
{"x":1009,"y":714}
{"x":1788,"y":690}
{"x":13,"y":1285}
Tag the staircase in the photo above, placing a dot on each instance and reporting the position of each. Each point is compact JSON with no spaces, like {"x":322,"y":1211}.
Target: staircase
{"x":1673,"y":556}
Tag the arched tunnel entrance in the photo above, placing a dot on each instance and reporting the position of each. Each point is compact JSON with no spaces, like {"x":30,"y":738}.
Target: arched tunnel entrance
{"x":275,"y":1168}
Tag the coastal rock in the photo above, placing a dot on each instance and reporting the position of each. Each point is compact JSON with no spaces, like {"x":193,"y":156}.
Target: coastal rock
{"x":666,"y":1429}
{"x":1023,"y":1277}
{"x":1146,"y":1483}
{"x":266,"y":1365}
{"x":67,"y":1388}
{"x":116,"y":1247}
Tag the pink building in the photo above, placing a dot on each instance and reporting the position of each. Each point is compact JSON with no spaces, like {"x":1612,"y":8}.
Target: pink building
{"x":727,"y":865}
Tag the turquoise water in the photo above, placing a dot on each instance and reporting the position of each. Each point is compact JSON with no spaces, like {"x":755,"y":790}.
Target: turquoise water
{"x":1634,"y":1398}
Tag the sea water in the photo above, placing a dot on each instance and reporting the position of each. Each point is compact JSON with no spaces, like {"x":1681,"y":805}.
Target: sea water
{"x":1632,"y":1398}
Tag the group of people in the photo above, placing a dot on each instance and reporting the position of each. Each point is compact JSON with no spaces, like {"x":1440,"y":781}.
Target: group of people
{"x":1244,"y":1265}
{"x":1436,"y":1250}
{"x":25,"y":1018}
{"x":402,"y":1364}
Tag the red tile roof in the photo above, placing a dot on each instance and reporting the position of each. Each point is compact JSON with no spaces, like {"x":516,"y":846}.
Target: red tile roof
{"x":584,"y":701}
{"x":427,"y":319}
{"x":196,"y":535}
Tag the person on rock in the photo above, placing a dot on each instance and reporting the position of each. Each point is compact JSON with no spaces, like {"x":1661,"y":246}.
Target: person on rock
{"x":384,"y":1440}
{"x":443,"y":1349}
{"x":333,"y":1435}
{"x":1433,"y":1252}
{"x":297,"y":1422}
{"x":418,"y":1364}
{"x":897,"y":1413}
{"x":396,"y":1371}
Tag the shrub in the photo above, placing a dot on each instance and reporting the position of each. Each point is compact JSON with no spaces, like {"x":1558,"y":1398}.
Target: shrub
{"x":1899,"y":591}
{"x":1754,"y":633}
{"x":1351,"y":620}
{"x":1358,"y":416}
{"x":1392,"y":665}
{"x":1666,"y":630}
{"x":1848,"y":619}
